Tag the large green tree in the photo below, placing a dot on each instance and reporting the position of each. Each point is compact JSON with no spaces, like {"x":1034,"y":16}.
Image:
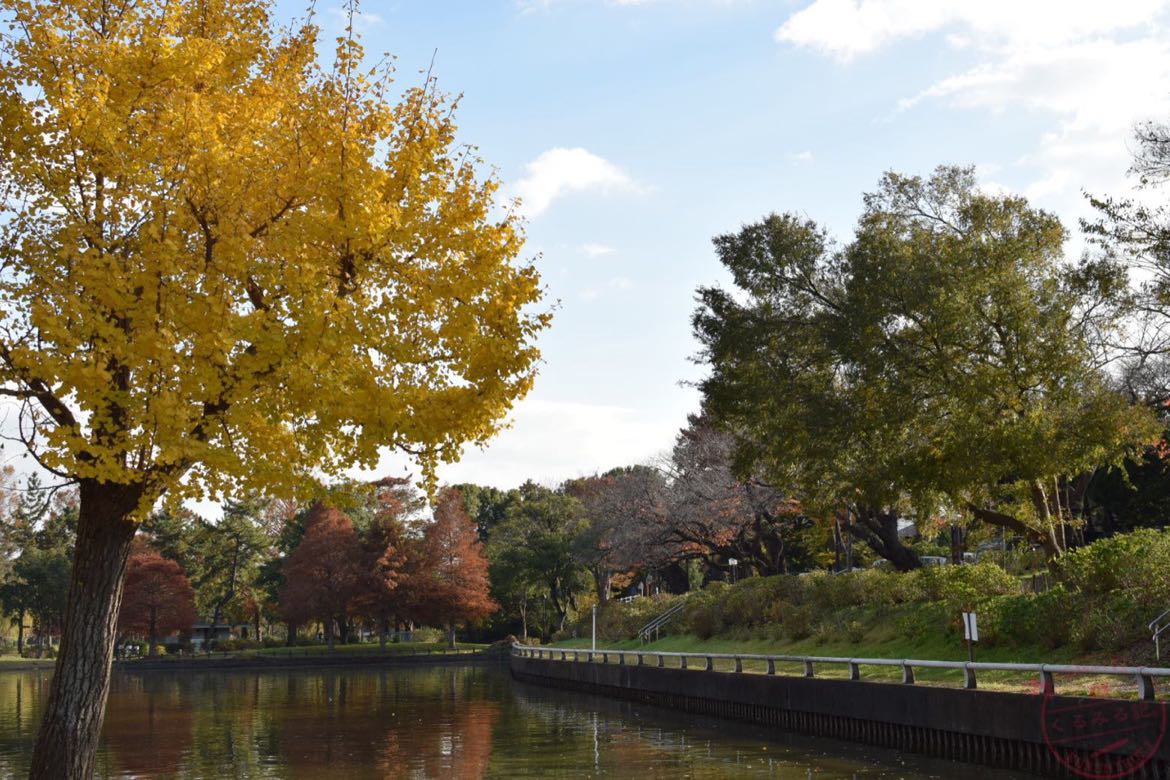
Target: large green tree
{"x":531,"y":552}
{"x":947,"y":357}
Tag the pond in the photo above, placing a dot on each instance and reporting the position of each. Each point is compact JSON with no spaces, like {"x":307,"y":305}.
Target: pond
{"x":460,"y":722}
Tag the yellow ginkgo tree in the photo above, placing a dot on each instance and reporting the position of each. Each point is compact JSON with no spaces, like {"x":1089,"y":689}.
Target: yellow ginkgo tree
{"x":224,"y":265}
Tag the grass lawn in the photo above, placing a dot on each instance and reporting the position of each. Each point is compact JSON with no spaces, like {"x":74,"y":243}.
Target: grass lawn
{"x":886,"y":643}
{"x":363,"y":649}
{"x":16,"y":659}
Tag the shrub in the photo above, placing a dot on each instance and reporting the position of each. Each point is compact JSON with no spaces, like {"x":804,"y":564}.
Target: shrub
{"x":1136,"y":561}
{"x":703,"y":615}
{"x":962,"y":587}
{"x":1111,"y":621}
{"x":622,"y":620}
{"x":796,"y":622}
{"x":1037,"y":619}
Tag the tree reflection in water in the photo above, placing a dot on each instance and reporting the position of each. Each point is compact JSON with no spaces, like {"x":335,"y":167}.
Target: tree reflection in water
{"x":457,"y":722}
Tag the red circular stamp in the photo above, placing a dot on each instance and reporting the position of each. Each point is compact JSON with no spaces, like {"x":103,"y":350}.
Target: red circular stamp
{"x":1102,"y":740}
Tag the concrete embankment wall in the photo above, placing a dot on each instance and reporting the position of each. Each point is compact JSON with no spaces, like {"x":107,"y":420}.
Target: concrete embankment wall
{"x":1005,"y":730}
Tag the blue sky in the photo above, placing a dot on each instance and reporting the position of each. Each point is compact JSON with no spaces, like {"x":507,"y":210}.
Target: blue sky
{"x":636,"y":130}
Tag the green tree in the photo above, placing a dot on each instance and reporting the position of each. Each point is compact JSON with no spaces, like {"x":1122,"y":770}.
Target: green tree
{"x":532,"y":549}
{"x":226,"y":556}
{"x":947,"y":356}
{"x":38,"y":586}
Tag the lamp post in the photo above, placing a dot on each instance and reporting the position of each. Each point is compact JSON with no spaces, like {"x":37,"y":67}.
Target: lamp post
{"x":594,"y":646}
{"x":734,"y":562}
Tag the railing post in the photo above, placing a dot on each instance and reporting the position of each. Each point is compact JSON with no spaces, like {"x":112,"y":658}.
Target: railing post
{"x":710,"y":663}
{"x":576,"y":656}
{"x":640,"y":659}
{"x":854,"y":670}
{"x":968,"y":677}
{"x":907,"y":674}
{"x":605,"y":658}
{"x":683,"y":663}
{"x":622,"y":658}
{"x":738,"y":665}
{"x":771,"y":666}
{"x":661,"y":661}
{"x":1145,"y":684}
{"x":808,"y":668}
{"x":1047,"y":683}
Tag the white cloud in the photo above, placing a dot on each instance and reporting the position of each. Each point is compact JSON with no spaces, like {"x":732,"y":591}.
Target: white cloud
{"x":550,"y":441}
{"x":1093,"y":68}
{"x":597,"y":250}
{"x":621,"y":283}
{"x":848,"y":28}
{"x":797,"y":158}
{"x":362,"y":20}
{"x":560,"y":171}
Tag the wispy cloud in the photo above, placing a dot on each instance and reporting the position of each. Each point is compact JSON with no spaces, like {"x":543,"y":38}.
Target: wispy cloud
{"x":798,"y":158}
{"x":596,"y":250}
{"x":560,"y":171}
{"x":362,"y":20}
{"x":1095,"y":68}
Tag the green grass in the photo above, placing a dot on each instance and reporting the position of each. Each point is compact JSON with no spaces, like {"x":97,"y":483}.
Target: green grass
{"x":16,"y":659}
{"x":884,"y":643}
{"x":364,"y":649}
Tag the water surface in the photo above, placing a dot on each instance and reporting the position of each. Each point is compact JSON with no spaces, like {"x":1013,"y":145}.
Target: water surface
{"x":437,"y":722}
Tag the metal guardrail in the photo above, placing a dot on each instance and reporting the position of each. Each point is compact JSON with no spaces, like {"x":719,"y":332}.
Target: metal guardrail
{"x":1143,"y":676}
{"x":1157,"y":626}
{"x":657,"y":623}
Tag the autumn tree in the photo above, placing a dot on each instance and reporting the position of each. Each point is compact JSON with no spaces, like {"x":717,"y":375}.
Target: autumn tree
{"x":384,"y":542}
{"x":716,"y":515}
{"x":226,"y":266}
{"x":323,"y":574}
{"x":624,"y":511}
{"x":157,"y":597}
{"x":450,"y":582}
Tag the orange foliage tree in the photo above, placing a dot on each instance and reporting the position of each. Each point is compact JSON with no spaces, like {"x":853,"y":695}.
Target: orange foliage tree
{"x":449,"y":577}
{"x":157,"y":596}
{"x":384,"y":545}
{"x":323,"y":575}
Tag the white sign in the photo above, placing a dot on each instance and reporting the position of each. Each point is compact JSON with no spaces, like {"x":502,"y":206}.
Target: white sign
{"x":970,"y":627}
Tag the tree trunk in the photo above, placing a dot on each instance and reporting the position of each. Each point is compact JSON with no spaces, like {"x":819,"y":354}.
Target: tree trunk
{"x":383,"y":630}
{"x":72,"y":721}
{"x":291,"y":639}
{"x":153,"y":632}
{"x":879,"y":529}
{"x":602,"y":579}
{"x":20,"y":635}
{"x":450,"y":637}
{"x":329,"y":632}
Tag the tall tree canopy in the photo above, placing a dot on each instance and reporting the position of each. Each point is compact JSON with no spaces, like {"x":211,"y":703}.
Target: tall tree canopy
{"x":947,"y":354}
{"x":450,"y":579}
{"x":158,"y":597}
{"x":226,"y":265}
{"x":323,"y":575}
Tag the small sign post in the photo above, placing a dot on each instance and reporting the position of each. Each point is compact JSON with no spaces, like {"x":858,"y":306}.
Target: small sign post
{"x":970,"y":633}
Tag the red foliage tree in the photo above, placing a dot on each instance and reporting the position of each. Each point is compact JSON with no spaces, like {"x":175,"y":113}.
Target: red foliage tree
{"x":157,"y":596}
{"x":323,"y":575}
{"x":449,"y":579}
